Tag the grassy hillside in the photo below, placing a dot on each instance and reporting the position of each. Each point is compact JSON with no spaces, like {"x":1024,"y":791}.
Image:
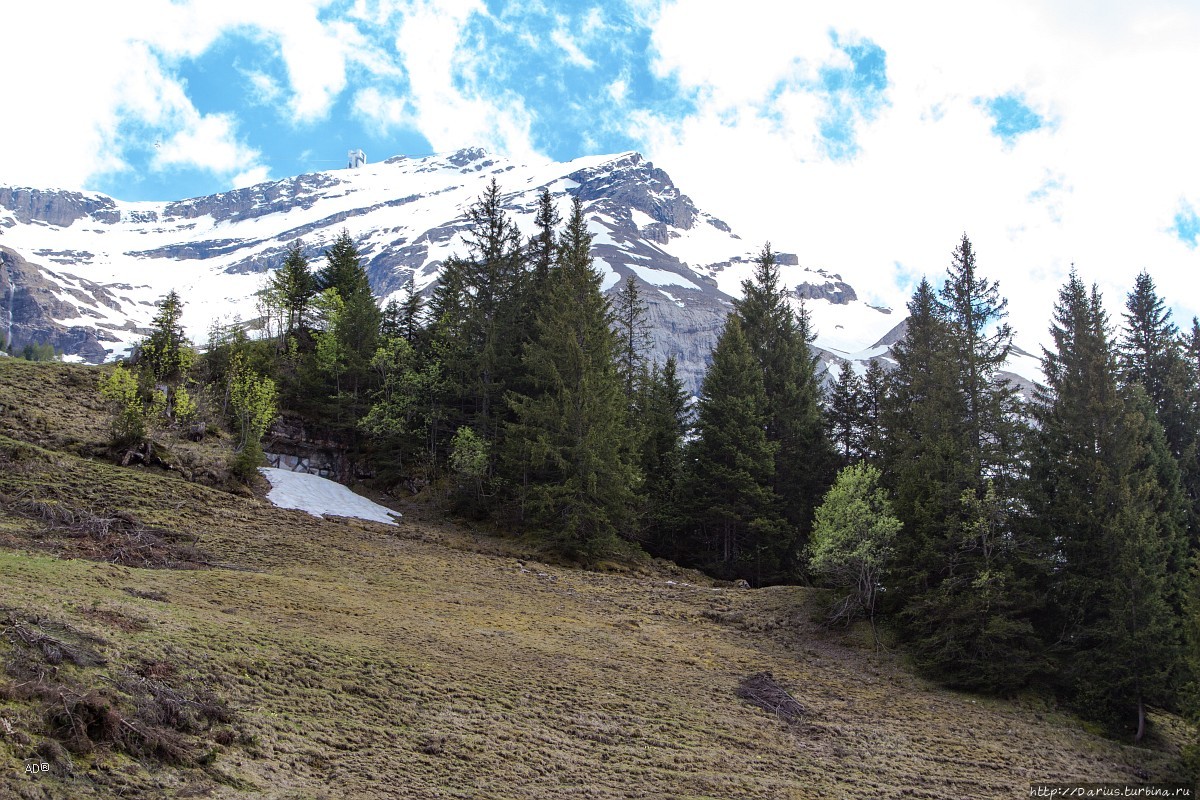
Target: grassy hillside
{"x":162,"y":638}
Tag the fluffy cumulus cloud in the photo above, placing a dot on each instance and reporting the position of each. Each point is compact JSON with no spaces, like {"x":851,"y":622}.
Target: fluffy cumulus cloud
{"x":106,"y":87}
{"x":868,"y":140}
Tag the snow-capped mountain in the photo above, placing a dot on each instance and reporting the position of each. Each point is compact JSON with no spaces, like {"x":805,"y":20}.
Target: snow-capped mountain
{"x":83,"y":271}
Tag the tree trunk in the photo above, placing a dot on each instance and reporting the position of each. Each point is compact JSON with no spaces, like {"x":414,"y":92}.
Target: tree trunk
{"x":1141,"y":729}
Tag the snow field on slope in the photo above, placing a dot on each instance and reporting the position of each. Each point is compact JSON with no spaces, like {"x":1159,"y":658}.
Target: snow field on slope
{"x":319,"y":496}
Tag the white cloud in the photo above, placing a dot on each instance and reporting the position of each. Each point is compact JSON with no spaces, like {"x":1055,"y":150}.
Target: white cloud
{"x":105,"y":84}
{"x":448,"y":115}
{"x":593,"y":23}
{"x":384,"y":111}
{"x":267,"y":90}
{"x":250,"y":177}
{"x":1099,"y":187}
{"x":562,"y":37}
{"x":207,"y":142}
{"x":618,"y":90}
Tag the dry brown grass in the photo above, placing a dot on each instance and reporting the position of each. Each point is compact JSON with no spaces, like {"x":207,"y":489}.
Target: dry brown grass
{"x":369,"y":661}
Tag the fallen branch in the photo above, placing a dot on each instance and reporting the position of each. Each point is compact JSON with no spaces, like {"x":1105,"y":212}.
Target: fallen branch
{"x":762,"y":690}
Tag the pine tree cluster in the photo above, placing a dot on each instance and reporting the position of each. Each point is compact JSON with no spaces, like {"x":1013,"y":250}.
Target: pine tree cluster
{"x":1006,"y":541}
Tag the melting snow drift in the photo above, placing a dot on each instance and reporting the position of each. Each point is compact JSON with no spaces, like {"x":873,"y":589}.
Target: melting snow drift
{"x":320,"y":496}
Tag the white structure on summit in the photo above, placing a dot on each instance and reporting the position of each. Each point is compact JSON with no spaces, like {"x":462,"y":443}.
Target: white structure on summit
{"x":356,"y":159}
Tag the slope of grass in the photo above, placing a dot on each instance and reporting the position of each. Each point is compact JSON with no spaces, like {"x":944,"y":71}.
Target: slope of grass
{"x":359,"y":660}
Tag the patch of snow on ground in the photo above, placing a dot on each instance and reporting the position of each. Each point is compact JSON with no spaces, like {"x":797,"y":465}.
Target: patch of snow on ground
{"x":320,"y":496}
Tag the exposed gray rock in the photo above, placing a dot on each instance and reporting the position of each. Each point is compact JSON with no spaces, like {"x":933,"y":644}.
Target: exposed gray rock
{"x":290,"y":444}
{"x":59,"y":208}
{"x":892,"y":336}
{"x":254,"y":201}
{"x":836,"y":292}
{"x":66,"y":256}
{"x":633,"y":182}
{"x":194,"y":250}
{"x":30,"y":307}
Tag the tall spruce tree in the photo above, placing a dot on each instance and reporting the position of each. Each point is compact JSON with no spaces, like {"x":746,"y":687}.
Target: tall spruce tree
{"x":494,"y":322}
{"x":847,"y":415}
{"x":920,"y":418}
{"x":574,"y":426}
{"x":963,"y":573}
{"x":166,"y":353}
{"x":981,"y":342}
{"x":343,"y":269}
{"x":664,"y":422}
{"x":735,"y":526}
{"x":543,"y":245}
{"x":874,"y":389}
{"x":1110,"y":505}
{"x":633,"y":334}
{"x":481,"y":311}
{"x":294,"y":287}
{"x":358,"y":326}
{"x":780,"y":341}
{"x":1152,"y":353}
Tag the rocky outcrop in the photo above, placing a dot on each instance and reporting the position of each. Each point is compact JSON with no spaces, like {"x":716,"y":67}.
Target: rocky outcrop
{"x":836,"y":292}
{"x":31,"y":302}
{"x":58,"y":208}
{"x":254,"y":201}
{"x":291,"y":444}
{"x":688,"y":331}
{"x":632,"y":182}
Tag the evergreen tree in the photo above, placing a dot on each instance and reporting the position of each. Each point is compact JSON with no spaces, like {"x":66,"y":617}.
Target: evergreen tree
{"x":920,"y":415}
{"x":1152,"y":353}
{"x":358,"y":335}
{"x":847,"y":415}
{"x":735,"y":524}
{"x":981,"y":341}
{"x":343,"y":269}
{"x":482,"y":322}
{"x":954,"y":438}
{"x":633,"y":334}
{"x":574,"y":427}
{"x":390,"y":323}
{"x":543,"y":246}
{"x":1110,"y":504}
{"x":874,"y":389}
{"x":780,"y":341}
{"x":166,"y":353}
{"x":352,"y":320}
{"x":412,"y":314}
{"x":1149,"y":349}
{"x":355,"y":327}
{"x":292,"y":288}
{"x":664,"y":422}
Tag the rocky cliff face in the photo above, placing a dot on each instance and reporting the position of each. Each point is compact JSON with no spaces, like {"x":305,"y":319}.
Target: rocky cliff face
{"x":34,"y":300}
{"x":56,"y":207}
{"x":83,"y":271}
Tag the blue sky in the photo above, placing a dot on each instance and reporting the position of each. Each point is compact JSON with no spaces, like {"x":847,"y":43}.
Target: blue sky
{"x":860,"y":136}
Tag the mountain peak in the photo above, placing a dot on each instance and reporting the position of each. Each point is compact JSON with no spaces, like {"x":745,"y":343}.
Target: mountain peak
{"x":88,"y":269}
